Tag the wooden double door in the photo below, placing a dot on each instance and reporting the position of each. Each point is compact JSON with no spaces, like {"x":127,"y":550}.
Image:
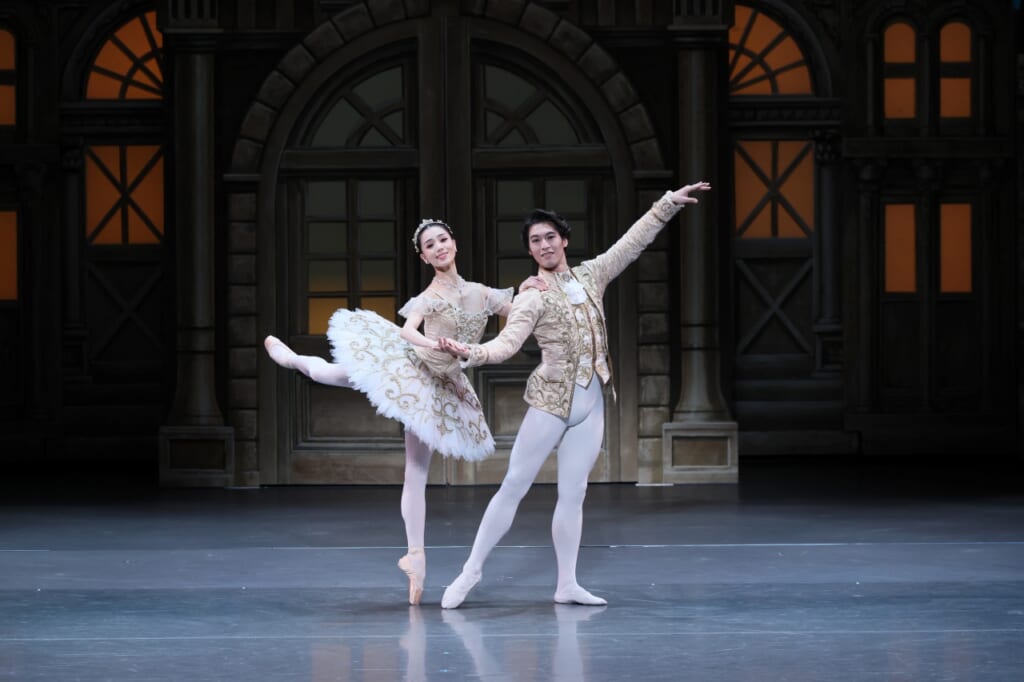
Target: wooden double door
{"x":440,"y":122}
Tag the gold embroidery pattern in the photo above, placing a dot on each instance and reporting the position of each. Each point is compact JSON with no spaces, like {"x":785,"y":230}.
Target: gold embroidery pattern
{"x":442,"y":409}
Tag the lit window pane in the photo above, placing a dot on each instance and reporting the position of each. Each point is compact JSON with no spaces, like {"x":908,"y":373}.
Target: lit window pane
{"x":382,"y":305}
{"x":140,"y":230}
{"x":764,"y":58}
{"x":8,"y":108}
{"x":955,"y":43}
{"x":751,"y":221}
{"x":377,"y":275}
{"x":328,"y":275}
{"x":8,"y":256}
{"x":320,"y":311}
{"x":900,"y":98}
{"x":955,"y":248}
{"x":328,"y":238}
{"x":7,"y":52}
{"x":900,"y":44}
{"x":794,"y":81}
{"x":796,"y":213}
{"x":129,"y":68}
{"x":900,"y":248}
{"x":112,"y":216}
{"x":377,"y":238}
{"x":955,"y":97}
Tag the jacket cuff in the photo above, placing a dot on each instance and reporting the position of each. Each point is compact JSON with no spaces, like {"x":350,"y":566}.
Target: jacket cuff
{"x":477,"y":357}
{"x":664,"y":208}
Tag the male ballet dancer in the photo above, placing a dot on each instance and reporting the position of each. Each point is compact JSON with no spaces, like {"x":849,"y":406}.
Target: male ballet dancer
{"x":564,"y":391}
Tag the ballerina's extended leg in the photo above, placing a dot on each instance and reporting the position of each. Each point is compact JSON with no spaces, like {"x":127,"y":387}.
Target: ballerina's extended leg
{"x":314,"y":367}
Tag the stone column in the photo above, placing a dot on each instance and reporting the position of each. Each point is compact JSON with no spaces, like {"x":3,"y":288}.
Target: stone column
{"x":195,"y":446}
{"x":828,"y":328}
{"x":75,"y":364}
{"x":41,"y":262}
{"x":700,"y":444}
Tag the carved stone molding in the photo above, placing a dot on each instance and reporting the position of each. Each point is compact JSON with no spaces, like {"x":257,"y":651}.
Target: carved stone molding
{"x":827,"y":146}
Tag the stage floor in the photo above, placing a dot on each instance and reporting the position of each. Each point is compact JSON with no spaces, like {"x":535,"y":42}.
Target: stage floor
{"x":838,"y":574}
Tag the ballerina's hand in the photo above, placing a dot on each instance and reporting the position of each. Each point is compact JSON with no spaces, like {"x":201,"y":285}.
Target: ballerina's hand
{"x":682,"y":195}
{"x":533,"y":282}
{"x":453,"y":347}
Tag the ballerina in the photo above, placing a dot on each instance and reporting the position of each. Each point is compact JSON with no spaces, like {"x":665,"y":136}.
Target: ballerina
{"x":408,"y":377}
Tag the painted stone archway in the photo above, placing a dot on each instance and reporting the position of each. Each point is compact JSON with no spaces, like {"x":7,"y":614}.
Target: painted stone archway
{"x":633,"y":152}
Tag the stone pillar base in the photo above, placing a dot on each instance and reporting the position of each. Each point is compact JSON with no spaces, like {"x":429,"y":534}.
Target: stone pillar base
{"x":700,"y":452}
{"x":197,"y":456}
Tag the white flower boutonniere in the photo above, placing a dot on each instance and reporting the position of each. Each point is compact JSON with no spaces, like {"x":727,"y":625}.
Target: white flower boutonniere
{"x":572,"y":288}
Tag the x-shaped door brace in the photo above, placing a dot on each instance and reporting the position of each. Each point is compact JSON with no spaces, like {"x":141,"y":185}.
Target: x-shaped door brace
{"x":774,"y":306}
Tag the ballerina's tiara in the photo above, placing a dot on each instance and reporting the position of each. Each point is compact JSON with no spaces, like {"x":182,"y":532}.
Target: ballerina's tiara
{"x":428,"y":222}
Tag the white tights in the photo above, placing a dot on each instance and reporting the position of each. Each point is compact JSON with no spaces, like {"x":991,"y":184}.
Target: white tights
{"x":581,"y":436}
{"x":417,"y":453}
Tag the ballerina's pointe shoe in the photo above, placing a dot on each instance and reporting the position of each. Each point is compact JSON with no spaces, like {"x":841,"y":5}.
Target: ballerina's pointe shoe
{"x":456,"y":593}
{"x":574,"y":594}
{"x":279,"y":352}
{"x":414,"y":565}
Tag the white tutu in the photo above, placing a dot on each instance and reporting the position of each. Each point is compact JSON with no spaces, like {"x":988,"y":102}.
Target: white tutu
{"x":442,"y":410}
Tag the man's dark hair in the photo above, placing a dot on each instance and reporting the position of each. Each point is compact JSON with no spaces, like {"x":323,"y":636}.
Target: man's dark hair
{"x":542,"y":215}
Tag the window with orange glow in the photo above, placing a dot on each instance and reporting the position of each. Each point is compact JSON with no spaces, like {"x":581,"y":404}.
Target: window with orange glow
{"x":774,"y":185}
{"x":128,"y":66}
{"x":764,"y":59}
{"x":8,"y":256}
{"x":899,"y":54}
{"x":8,"y":79}
{"x":351,"y":248}
{"x":955,"y":249}
{"x":900,"y":243}
{"x":124,"y":194}
{"x":955,"y":66}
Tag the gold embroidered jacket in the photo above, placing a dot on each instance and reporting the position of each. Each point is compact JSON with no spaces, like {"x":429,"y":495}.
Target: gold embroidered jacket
{"x":548,"y":315}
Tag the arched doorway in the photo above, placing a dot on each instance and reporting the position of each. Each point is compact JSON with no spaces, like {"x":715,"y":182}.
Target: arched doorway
{"x":463,"y":117}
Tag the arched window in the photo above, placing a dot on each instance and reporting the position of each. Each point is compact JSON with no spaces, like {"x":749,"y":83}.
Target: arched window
{"x":956,"y":63}
{"x":8,"y":79}
{"x":351,"y":242}
{"x":514,"y":111}
{"x":764,"y":59}
{"x":774,"y":201}
{"x":517,"y":112}
{"x":370,"y":113}
{"x":123,"y":297}
{"x":900,"y":72}
{"x":124,"y":184}
{"x":128,"y":66}
{"x":774,"y":178}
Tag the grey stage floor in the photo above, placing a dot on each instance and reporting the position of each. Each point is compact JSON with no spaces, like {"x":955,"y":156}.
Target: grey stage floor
{"x":837,"y":574}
